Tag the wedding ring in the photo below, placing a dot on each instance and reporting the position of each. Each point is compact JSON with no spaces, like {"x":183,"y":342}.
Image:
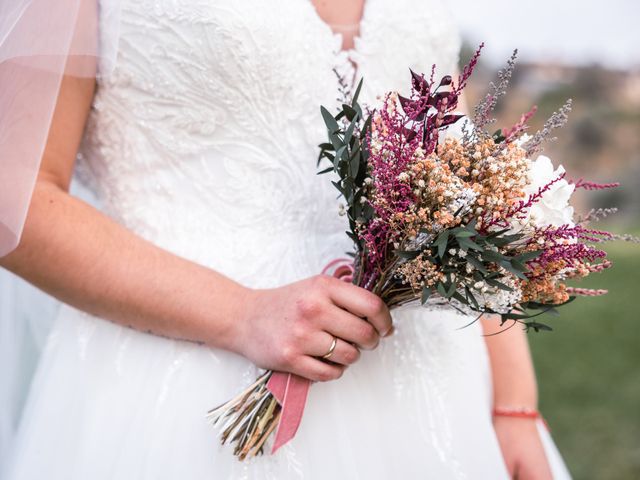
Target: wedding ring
{"x":331,"y":348}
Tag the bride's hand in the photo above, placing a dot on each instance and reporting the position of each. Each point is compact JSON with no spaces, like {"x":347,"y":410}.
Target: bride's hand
{"x":290,"y":327}
{"x":522,"y":448}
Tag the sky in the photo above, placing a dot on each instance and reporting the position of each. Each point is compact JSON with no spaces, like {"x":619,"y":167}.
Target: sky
{"x":591,"y":31}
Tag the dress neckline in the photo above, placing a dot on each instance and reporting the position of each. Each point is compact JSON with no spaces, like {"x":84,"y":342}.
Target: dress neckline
{"x":344,"y":57}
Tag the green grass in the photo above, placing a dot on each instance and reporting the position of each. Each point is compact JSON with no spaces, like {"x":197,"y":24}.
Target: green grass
{"x":589,"y":373}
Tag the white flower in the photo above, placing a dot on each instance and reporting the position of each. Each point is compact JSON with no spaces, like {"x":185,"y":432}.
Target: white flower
{"x":553,"y":208}
{"x":403,"y":176}
{"x":522,"y":139}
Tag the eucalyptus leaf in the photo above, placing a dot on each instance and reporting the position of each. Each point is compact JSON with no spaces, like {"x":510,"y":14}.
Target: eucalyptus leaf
{"x":329,"y":121}
{"x":407,"y":254}
{"x":492,"y":256}
{"x":326,"y":170}
{"x":349,"y":112}
{"x":477,"y":264}
{"x":497,"y":284}
{"x":426,"y":293}
{"x":354,"y":100}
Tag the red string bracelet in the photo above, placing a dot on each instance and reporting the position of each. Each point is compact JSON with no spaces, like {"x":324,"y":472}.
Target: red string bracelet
{"x":521,"y":413}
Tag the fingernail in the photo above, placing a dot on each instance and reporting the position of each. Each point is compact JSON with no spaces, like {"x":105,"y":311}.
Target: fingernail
{"x":390,"y":331}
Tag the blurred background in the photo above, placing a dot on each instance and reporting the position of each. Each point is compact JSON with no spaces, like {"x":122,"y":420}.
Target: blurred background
{"x":589,"y":366}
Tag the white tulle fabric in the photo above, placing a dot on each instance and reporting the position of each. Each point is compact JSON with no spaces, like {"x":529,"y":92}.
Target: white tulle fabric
{"x":204,"y":142}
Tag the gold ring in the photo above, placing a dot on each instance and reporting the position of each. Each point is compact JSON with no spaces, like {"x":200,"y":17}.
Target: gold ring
{"x":331,"y":348}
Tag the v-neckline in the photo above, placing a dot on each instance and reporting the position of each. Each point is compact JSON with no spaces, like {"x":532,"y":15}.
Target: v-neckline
{"x":342,"y":54}
{"x":356,"y":38}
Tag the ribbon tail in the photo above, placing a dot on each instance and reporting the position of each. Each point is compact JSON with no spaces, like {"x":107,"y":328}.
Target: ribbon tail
{"x":291,"y":392}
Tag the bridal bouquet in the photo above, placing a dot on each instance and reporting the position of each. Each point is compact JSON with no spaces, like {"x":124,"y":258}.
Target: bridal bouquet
{"x":478,"y":222}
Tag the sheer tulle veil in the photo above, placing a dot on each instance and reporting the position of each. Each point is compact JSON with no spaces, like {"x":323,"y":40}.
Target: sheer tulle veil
{"x":40,"y":42}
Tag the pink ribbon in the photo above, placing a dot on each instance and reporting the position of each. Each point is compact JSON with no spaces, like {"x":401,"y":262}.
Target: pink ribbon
{"x":290,"y":389}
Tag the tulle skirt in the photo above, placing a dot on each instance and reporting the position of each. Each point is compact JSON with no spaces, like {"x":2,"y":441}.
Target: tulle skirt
{"x":109,"y":402}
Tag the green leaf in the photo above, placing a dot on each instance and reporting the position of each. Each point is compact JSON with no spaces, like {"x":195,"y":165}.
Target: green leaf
{"x":471,"y":297}
{"x":426,"y":293}
{"x":336,"y":141}
{"x":519,"y":265}
{"x":537,"y":326}
{"x":467,"y":244}
{"x":354,"y":101}
{"x":326,"y":170}
{"x":358,"y":109}
{"x":354,"y":166}
{"x":365,"y":127}
{"x":329,"y":121}
{"x":407,"y":254}
{"x":339,"y":187}
{"x":497,"y":233}
{"x":477,"y":264}
{"x":505,"y":240}
{"x":460,"y":298}
{"x":340,"y":152}
{"x":349,"y":112}
{"x":441,"y":243}
{"x":492,"y":256}
{"x":349,"y":132}
{"x":527,"y":256}
{"x":497,"y":284}
{"x":506,"y":264}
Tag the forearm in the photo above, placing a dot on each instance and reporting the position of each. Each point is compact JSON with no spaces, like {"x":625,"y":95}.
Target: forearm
{"x":514,"y":380}
{"x":75,"y":253}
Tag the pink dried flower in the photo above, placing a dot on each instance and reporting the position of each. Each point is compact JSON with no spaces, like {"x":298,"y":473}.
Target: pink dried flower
{"x":594,"y":186}
{"x":586,"y":292}
{"x":521,"y":126}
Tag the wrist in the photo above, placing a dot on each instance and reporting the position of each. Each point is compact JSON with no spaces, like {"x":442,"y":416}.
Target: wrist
{"x":517,"y":412}
{"x":238,"y":323}
{"x":226,"y":313}
{"x":525,"y":396}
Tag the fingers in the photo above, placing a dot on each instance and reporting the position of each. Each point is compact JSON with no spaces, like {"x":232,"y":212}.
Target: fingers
{"x":316,"y":370}
{"x":349,"y":328}
{"x":344,"y":353}
{"x":362,"y":303}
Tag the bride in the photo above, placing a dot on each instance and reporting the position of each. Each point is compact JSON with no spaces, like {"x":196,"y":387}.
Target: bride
{"x":203,"y":266}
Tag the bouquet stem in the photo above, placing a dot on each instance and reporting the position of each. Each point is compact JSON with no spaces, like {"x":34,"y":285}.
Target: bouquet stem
{"x":248,"y":419}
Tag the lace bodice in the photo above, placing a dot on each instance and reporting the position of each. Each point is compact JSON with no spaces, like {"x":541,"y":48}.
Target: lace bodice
{"x":203,"y":140}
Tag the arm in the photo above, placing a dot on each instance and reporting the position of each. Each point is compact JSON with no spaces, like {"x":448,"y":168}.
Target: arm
{"x":82,"y":257}
{"x":73,"y":252}
{"x":514,"y":386}
{"x":514,"y":380}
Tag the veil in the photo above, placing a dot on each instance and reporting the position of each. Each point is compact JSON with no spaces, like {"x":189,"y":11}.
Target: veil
{"x":40,"y":42}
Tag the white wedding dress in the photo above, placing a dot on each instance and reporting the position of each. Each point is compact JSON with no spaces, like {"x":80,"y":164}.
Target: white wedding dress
{"x":203,"y":141}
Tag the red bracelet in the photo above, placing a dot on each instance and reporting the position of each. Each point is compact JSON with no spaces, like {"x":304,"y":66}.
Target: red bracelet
{"x":521,"y":413}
